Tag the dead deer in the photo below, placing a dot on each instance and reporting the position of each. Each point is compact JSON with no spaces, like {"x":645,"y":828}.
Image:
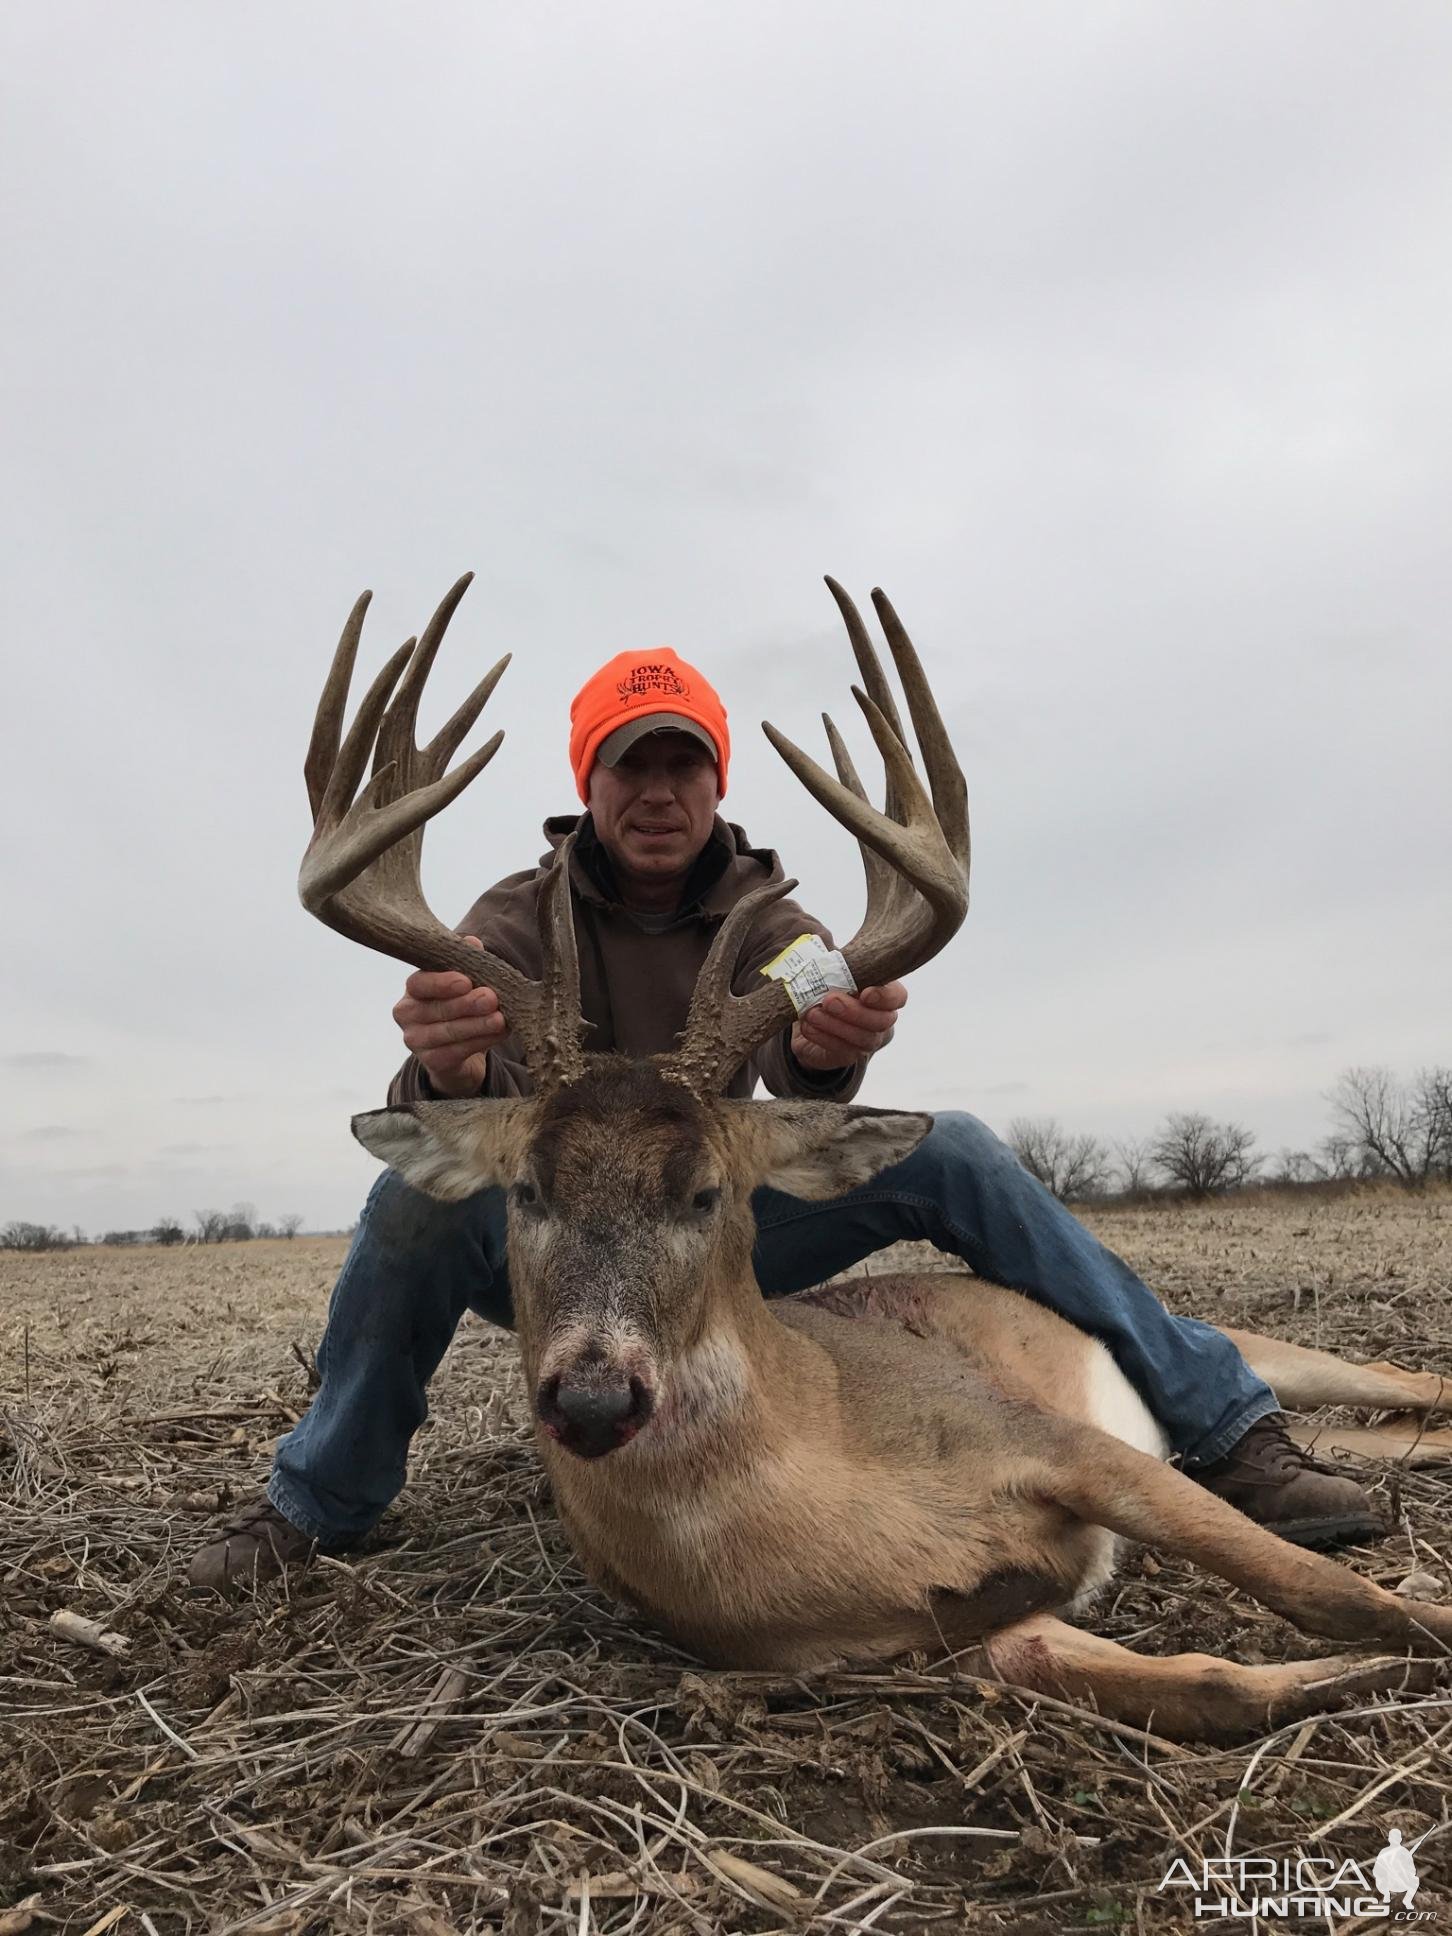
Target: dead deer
{"x":928,"y":1463}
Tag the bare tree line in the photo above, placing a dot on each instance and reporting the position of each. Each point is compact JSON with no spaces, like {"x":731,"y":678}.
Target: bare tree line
{"x":1381,"y":1127}
{"x":240,"y":1224}
{"x":234,"y":1226}
{"x":1388,"y":1128}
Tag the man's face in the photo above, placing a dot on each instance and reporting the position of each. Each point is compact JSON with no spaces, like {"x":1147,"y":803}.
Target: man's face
{"x":653,"y":809}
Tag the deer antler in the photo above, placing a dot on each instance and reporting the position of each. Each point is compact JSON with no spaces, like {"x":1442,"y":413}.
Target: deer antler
{"x":360,"y":873}
{"x":915,"y":853}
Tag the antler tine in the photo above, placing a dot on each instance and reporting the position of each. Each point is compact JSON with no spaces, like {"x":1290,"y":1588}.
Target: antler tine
{"x":906,"y":927}
{"x":873,"y":678}
{"x":940,"y":762}
{"x":351,"y":759}
{"x":915,"y":855}
{"x":912,"y":847}
{"x":360,"y":873}
{"x":322,"y":755}
{"x":396,"y":819}
{"x":880,"y":877}
{"x":559,"y":1058}
{"x":717,"y":1021}
{"x":397,"y":757}
{"x":397,"y":733}
{"x":446,"y":741}
{"x":401,"y":722}
{"x":865,"y":653}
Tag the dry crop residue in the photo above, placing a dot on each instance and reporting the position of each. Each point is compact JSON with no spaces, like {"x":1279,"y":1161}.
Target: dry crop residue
{"x":451,"y":1732}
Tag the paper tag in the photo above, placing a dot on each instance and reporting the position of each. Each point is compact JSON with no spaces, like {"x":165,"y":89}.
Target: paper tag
{"x":810,"y":970}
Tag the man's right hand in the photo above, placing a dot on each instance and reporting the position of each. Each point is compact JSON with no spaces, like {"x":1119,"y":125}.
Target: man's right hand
{"x":450,"y":1026}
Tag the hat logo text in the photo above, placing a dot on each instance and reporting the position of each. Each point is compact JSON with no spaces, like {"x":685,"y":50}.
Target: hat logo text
{"x":651,"y":681}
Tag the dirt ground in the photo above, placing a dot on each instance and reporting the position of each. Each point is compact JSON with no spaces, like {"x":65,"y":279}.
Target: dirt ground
{"x":451,"y":1732}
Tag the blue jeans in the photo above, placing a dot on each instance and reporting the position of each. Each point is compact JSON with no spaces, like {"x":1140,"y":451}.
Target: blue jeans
{"x":417,"y":1265}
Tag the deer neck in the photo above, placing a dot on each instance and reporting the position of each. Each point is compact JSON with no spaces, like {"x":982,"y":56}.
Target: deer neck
{"x":770,"y":1361}
{"x":735,"y":1394}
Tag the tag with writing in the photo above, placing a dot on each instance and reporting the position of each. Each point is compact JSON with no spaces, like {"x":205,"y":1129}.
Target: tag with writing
{"x":810,"y":970}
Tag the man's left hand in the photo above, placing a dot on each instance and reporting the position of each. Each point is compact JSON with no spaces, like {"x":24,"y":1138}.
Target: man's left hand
{"x":842,"y":1029}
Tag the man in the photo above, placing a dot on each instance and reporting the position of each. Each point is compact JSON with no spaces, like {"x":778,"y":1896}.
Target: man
{"x":654,"y":872}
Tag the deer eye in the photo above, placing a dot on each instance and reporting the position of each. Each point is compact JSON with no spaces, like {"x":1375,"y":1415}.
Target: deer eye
{"x":705,"y":1201}
{"x":525,"y":1197}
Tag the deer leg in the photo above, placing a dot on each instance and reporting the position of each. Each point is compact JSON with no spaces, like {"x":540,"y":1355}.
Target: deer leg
{"x":1098,"y":1478}
{"x":1190,"y":1697}
{"x":1405,"y":1439}
{"x":1303,"y":1379}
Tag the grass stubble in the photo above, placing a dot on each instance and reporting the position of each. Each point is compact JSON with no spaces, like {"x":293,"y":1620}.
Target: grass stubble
{"x":450,"y":1731}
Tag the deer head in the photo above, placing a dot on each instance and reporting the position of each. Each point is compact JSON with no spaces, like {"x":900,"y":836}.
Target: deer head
{"x":629,"y":1183}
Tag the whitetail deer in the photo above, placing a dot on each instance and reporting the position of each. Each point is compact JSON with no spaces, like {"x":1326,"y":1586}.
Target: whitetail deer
{"x":917,"y":1463}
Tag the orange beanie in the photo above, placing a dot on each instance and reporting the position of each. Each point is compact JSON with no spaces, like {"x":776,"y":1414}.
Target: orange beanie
{"x":635,"y":685}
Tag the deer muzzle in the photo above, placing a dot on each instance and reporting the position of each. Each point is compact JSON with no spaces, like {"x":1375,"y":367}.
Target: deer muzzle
{"x":592,"y":1409}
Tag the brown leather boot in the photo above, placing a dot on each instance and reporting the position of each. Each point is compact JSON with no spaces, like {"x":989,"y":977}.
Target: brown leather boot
{"x":257,"y":1545}
{"x":1275,"y":1483}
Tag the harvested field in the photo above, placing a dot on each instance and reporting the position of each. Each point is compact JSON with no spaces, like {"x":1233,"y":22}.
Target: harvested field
{"x":451,"y":1732}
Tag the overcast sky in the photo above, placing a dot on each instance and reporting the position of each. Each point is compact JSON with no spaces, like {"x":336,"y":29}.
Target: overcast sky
{"x":1112,"y":340}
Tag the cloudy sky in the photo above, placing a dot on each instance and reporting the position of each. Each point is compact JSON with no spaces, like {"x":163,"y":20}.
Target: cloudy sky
{"x":1112,"y":340}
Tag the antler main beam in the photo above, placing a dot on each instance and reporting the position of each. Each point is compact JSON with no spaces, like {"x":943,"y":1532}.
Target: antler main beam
{"x":360,"y":873}
{"x":915,"y":854}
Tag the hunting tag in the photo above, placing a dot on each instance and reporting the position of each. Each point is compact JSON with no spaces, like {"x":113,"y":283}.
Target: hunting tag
{"x":810,"y":970}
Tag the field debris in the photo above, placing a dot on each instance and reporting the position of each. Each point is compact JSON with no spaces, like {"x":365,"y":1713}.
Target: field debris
{"x":449,"y":1732}
{"x":452,"y":1686}
{"x":1423,"y":1586}
{"x":89,"y":1633}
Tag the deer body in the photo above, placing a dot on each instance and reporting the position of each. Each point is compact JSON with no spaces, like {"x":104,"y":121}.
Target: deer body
{"x":928,"y":1463}
{"x":913,"y":1464}
{"x":882,"y":1524}
{"x":903,"y":1478}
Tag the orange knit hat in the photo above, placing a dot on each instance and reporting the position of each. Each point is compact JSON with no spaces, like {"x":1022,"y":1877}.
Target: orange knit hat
{"x":637,"y":686}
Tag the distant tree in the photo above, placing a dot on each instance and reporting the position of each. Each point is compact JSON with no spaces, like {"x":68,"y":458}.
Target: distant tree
{"x":167,"y":1231}
{"x":1134,"y":1164}
{"x":211,"y":1225}
{"x":1434,"y":1086}
{"x":1073,"y":1167}
{"x":121,"y":1238}
{"x":1294,"y":1166}
{"x":1335,"y":1157}
{"x":290,"y":1225}
{"x":241,"y":1223}
{"x":1203,"y":1157}
{"x":1394,"y":1128}
{"x":33,"y":1236}
{"x":1339,"y":1160}
{"x":234,"y":1226}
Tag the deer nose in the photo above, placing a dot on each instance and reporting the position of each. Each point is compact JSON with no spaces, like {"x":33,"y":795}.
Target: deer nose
{"x":592,"y":1416}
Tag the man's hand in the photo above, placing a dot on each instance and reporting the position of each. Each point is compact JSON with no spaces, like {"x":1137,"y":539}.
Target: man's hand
{"x":450,"y":1026}
{"x":842,"y":1029}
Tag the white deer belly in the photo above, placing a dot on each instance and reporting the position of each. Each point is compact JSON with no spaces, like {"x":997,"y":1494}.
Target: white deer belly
{"x":1113,"y":1404}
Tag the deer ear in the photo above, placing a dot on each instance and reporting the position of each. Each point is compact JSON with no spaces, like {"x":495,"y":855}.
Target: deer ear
{"x":448,"y":1150}
{"x":816,"y":1150}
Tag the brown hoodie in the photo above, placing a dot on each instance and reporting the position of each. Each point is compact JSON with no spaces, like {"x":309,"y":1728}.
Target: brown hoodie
{"x":636,"y":977}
